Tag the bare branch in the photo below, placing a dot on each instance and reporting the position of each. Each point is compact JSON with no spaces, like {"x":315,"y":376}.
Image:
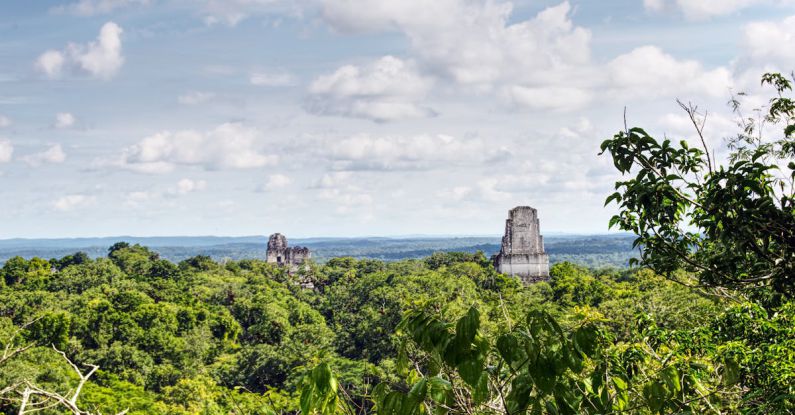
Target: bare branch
{"x":47,"y":399}
{"x":8,"y":389}
{"x":692,"y":113}
{"x":83,"y":378}
{"x":11,"y":349}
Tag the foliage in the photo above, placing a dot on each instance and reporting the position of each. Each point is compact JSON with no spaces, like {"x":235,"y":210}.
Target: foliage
{"x":729,"y":225}
{"x":733,"y":224}
{"x":202,"y":337}
{"x":542,"y":367}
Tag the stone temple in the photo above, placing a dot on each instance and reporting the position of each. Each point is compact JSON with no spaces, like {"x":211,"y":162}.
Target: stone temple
{"x":522,"y":251}
{"x":291,"y":257}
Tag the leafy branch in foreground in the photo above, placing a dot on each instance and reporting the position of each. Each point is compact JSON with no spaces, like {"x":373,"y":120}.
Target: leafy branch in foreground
{"x":733,"y":224}
{"x":320,"y":393}
{"x":541,"y":367}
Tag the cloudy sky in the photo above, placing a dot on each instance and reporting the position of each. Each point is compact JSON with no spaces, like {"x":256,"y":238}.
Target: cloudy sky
{"x":351,"y":117}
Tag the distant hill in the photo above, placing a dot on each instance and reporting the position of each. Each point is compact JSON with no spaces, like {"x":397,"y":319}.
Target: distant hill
{"x":589,"y":250}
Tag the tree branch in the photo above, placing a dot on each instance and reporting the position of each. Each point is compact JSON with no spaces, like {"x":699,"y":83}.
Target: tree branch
{"x":692,"y":111}
{"x":28,"y":406}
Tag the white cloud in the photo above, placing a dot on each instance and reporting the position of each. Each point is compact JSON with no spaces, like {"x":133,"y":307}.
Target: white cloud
{"x":333,"y":179}
{"x":546,"y":169}
{"x":476,"y":44}
{"x":6,"y":151}
{"x":540,"y":63}
{"x":101,"y":58}
{"x":488,"y":189}
{"x":647,"y":71}
{"x":232,"y":12}
{"x":551,"y":98}
{"x":769,"y":41}
{"x":186,"y":186}
{"x":134,"y":199}
{"x":228,"y":146}
{"x":51,"y":63}
{"x":654,"y":5}
{"x":582,"y":128}
{"x":351,"y":16}
{"x":54,"y":154}
{"x":456,"y":194}
{"x":702,"y":9}
{"x":418,"y":152}
{"x":346,"y":199}
{"x":195,"y":97}
{"x":95,"y":7}
{"x":71,"y":202}
{"x":385,"y":90}
{"x":272,"y":79}
{"x":564,"y":181}
{"x":64,"y":120}
{"x":339,"y":189}
{"x":181,"y":188}
{"x":277,"y":181}
{"x":5,"y":121}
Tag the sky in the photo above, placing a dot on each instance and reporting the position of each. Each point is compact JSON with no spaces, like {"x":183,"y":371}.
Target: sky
{"x":353,"y":117}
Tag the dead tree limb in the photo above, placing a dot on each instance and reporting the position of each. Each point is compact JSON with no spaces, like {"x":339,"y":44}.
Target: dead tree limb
{"x":34,"y":398}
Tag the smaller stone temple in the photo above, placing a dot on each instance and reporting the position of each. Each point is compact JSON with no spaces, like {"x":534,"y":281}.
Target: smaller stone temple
{"x":522,"y":251}
{"x":279,"y":253}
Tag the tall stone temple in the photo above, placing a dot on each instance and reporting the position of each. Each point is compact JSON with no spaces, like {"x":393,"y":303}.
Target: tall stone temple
{"x":291,"y":257}
{"x":522,"y":251}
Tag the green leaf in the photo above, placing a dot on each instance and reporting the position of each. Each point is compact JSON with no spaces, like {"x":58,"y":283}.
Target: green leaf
{"x":402,"y":363}
{"x":615,"y":196}
{"x":671,"y":378}
{"x":573,"y":360}
{"x":551,"y":407}
{"x":543,"y":373}
{"x":439,"y":389}
{"x":619,"y":383}
{"x":471,"y":369}
{"x":393,"y":403}
{"x":468,"y":325}
{"x":622,"y":396}
{"x":509,"y":349}
{"x":481,"y":391}
{"x":419,"y":390}
{"x":731,"y":371}
{"x":519,"y":396}
{"x":461,"y":344}
{"x":655,"y":395}
{"x":585,"y":340}
{"x":566,"y":399}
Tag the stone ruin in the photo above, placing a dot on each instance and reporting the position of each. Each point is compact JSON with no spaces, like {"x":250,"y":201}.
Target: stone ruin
{"x":522,"y":251}
{"x":282,"y":255}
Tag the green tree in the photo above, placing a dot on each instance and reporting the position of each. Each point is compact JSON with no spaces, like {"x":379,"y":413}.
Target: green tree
{"x":732,"y":225}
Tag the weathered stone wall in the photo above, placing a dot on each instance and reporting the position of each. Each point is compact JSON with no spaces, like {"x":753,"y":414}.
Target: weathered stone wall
{"x":522,"y":251}
{"x":277,"y":245}
{"x":281,"y":254}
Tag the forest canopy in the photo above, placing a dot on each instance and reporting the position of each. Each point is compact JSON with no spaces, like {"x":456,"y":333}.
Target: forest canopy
{"x":205,"y":337}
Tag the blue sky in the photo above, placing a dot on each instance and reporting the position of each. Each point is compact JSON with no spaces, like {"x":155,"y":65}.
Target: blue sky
{"x":352,"y":117}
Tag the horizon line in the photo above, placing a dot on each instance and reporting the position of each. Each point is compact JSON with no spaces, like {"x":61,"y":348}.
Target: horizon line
{"x":392,"y":236}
